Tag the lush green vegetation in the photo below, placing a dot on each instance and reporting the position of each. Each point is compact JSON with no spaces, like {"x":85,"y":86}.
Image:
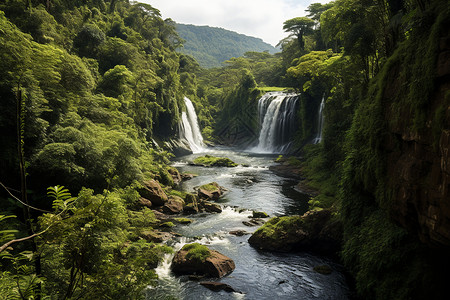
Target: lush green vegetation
{"x":377,"y":74}
{"x":196,"y":252}
{"x":212,"y":161}
{"x":278,"y":227}
{"x":211,"y":46}
{"x":89,"y":88}
{"x":86,"y":89}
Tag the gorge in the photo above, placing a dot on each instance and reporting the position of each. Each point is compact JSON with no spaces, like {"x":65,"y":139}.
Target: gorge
{"x":341,"y":138}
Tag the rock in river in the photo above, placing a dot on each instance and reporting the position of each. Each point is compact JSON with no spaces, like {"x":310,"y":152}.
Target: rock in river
{"x":199,"y":259}
{"x":315,"y":231}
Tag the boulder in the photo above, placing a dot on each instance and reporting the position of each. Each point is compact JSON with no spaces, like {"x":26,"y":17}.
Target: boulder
{"x":191,"y":201}
{"x":153,"y":191}
{"x":160,"y":216}
{"x":145,"y":202}
{"x":184,"y":221}
{"x":187,"y":176}
{"x":210,"y":207}
{"x":176,"y":176}
{"x":173,"y":206}
{"x":199,"y":259}
{"x":212,"y":161}
{"x":155,"y":236}
{"x":315,"y":231}
{"x":210,"y":191}
{"x":260,"y":214}
{"x":238,"y":232}
{"x":218,"y":286}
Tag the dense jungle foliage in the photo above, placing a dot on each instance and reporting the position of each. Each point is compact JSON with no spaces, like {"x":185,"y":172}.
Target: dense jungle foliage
{"x":89,"y":89}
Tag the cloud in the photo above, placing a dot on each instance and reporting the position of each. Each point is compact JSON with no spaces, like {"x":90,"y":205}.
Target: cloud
{"x":258,"y":18}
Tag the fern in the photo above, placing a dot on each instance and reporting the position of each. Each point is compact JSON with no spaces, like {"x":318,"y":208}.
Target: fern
{"x":61,"y":195}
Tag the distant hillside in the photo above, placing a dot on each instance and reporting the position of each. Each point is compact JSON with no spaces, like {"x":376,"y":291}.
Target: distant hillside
{"x":211,"y":45}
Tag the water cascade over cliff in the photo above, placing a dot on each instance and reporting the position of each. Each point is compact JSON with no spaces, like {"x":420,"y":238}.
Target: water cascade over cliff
{"x":189,"y":129}
{"x":320,"y":120}
{"x":277,"y":118}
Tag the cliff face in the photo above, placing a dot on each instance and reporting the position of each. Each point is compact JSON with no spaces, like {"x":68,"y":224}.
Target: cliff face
{"x":418,"y":160}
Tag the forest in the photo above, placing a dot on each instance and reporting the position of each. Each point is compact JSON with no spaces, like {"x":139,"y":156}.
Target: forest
{"x":91,"y":98}
{"x":211,"y":46}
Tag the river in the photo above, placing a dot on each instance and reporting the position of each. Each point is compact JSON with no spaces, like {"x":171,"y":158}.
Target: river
{"x":258,"y":274}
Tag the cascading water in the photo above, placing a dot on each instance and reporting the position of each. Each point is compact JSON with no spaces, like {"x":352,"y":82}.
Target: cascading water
{"x":320,"y":120}
{"x":189,"y":129}
{"x":277,"y":119}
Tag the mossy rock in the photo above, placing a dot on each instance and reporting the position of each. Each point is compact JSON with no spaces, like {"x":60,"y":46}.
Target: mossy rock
{"x":197,"y":252}
{"x":183,"y":220}
{"x":212,"y":161}
{"x":315,"y":231}
{"x":200,"y":260}
{"x":259,"y":214}
{"x":210,"y":187}
{"x":167,"y":224}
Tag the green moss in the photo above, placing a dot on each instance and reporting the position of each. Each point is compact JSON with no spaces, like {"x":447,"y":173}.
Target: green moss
{"x":167,"y":224}
{"x":210,"y":187}
{"x":212,"y":161}
{"x":278,"y":227}
{"x":294,"y":161}
{"x":260,"y":214}
{"x":183,"y":220}
{"x":180,"y":194}
{"x":196,"y":252}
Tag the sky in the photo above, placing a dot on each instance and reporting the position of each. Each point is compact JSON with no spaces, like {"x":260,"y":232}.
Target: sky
{"x":259,"y":18}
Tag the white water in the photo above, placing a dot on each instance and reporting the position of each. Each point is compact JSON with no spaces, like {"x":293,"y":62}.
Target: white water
{"x":189,"y":129}
{"x":320,"y":120}
{"x":277,"y":116}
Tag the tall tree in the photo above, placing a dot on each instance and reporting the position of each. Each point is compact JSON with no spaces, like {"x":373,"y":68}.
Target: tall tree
{"x":299,"y":27}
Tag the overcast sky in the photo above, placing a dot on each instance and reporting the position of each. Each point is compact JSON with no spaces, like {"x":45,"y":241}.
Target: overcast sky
{"x":259,"y":18}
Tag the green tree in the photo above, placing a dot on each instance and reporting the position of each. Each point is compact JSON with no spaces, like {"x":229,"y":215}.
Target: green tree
{"x":299,"y":27}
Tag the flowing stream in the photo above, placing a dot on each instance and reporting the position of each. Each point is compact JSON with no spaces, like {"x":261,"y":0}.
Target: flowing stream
{"x":258,"y":274}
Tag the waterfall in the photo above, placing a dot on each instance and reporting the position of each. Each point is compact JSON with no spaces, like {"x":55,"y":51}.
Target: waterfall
{"x":277,"y":119}
{"x":189,"y":129}
{"x":320,"y":120}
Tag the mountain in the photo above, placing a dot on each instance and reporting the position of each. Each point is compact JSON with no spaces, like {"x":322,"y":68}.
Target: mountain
{"x":210,"y":46}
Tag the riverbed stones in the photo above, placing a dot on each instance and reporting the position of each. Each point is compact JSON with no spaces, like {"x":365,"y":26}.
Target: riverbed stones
{"x":218,"y":286}
{"x":323,"y":269}
{"x":192,"y":259}
{"x":152,"y":190}
{"x":239,"y":232}
{"x":210,"y":207}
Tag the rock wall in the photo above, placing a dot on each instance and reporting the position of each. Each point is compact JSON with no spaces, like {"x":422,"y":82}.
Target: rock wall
{"x":418,"y":161}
